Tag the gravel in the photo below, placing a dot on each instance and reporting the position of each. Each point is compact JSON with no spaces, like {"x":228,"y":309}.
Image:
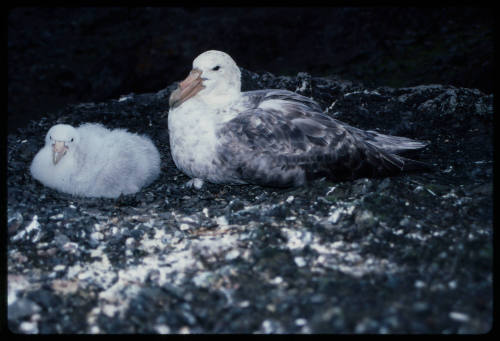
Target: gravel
{"x":405,"y":254}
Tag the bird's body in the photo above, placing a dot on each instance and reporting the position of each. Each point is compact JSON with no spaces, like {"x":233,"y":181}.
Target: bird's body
{"x":269,"y":137}
{"x":194,"y":141}
{"x":94,"y":161}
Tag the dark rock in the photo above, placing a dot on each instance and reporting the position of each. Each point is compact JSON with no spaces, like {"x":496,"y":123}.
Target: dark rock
{"x":46,"y":299}
{"x":365,"y":219}
{"x":14,"y":221}
{"x":61,"y":239}
{"x":21,"y":308}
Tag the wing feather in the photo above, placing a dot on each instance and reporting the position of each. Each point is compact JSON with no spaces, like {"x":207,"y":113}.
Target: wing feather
{"x":285,"y":139}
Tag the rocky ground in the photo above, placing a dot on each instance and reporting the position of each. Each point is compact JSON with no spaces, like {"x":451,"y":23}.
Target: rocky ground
{"x":406,"y":254}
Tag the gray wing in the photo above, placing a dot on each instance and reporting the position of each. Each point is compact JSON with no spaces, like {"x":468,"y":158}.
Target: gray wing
{"x":287,"y":145}
{"x":308,"y":108}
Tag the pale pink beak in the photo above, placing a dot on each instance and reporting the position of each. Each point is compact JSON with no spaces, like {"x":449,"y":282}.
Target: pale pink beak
{"x":59,"y":149}
{"x":187,"y":88}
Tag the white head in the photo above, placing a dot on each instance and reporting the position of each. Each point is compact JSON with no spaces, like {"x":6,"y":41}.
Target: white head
{"x":63,"y":139}
{"x":215,"y":78}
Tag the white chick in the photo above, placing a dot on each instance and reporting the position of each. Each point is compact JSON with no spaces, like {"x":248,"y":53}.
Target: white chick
{"x":93,"y":161}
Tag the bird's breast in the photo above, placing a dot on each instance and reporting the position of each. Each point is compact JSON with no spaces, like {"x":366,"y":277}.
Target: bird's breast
{"x":193,"y":142}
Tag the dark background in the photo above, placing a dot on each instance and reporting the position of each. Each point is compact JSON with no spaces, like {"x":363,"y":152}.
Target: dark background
{"x":59,"y":56}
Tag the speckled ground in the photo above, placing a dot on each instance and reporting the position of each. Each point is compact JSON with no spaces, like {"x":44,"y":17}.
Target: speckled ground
{"x":406,"y":254}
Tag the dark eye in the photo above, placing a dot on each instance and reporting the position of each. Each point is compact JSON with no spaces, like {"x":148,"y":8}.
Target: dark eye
{"x":50,"y":137}
{"x":72,"y":139}
{"x":216,"y":68}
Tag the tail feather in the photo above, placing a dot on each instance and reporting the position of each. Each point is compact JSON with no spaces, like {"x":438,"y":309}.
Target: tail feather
{"x":385,"y":163}
{"x":393,"y":144}
{"x":388,"y":143}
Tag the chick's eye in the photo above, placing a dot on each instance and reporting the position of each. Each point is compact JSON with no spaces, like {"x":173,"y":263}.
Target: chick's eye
{"x":216,"y":68}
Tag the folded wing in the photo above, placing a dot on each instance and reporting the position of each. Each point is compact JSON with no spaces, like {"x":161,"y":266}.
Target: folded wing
{"x":285,"y":140}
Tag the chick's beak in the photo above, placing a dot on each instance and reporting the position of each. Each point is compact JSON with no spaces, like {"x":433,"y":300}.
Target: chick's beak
{"x":59,"y":149}
{"x":187,"y":88}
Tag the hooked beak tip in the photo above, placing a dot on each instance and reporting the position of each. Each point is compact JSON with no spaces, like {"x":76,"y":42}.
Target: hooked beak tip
{"x":186,"y":89}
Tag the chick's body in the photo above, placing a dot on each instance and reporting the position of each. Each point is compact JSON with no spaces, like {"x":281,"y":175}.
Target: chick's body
{"x":97,"y":162}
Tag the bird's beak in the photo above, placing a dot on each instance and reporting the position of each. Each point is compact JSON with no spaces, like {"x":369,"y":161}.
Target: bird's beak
{"x":187,"y":89}
{"x":59,"y":149}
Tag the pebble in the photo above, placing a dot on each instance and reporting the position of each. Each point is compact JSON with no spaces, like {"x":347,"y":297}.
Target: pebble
{"x":221,"y":221}
{"x":365,"y":219}
{"x":300,"y":261}
{"x":419,"y":284}
{"x":21,"y":308}
{"x":70,"y":247}
{"x":14,"y":221}
{"x":202,"y":279}
{"x":458,"y":316}
{"x":162,"y":329}
{"x":300,"y":322}
{"x":244,"y":304}
{"x":233,"y":254}
{"x":97,"y":235}
{"x":60,"y":267}
{"x":129,"y":242}
{"x":29,"y":327}
{"x":184,"y":226}
{"x":184,"y":330}
{"x":277,"y":280}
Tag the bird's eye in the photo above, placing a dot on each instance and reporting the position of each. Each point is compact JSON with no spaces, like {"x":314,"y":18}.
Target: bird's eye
{"x":216,"y":68}
{"x":72,"y":139}
{"x":50,"y":137}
